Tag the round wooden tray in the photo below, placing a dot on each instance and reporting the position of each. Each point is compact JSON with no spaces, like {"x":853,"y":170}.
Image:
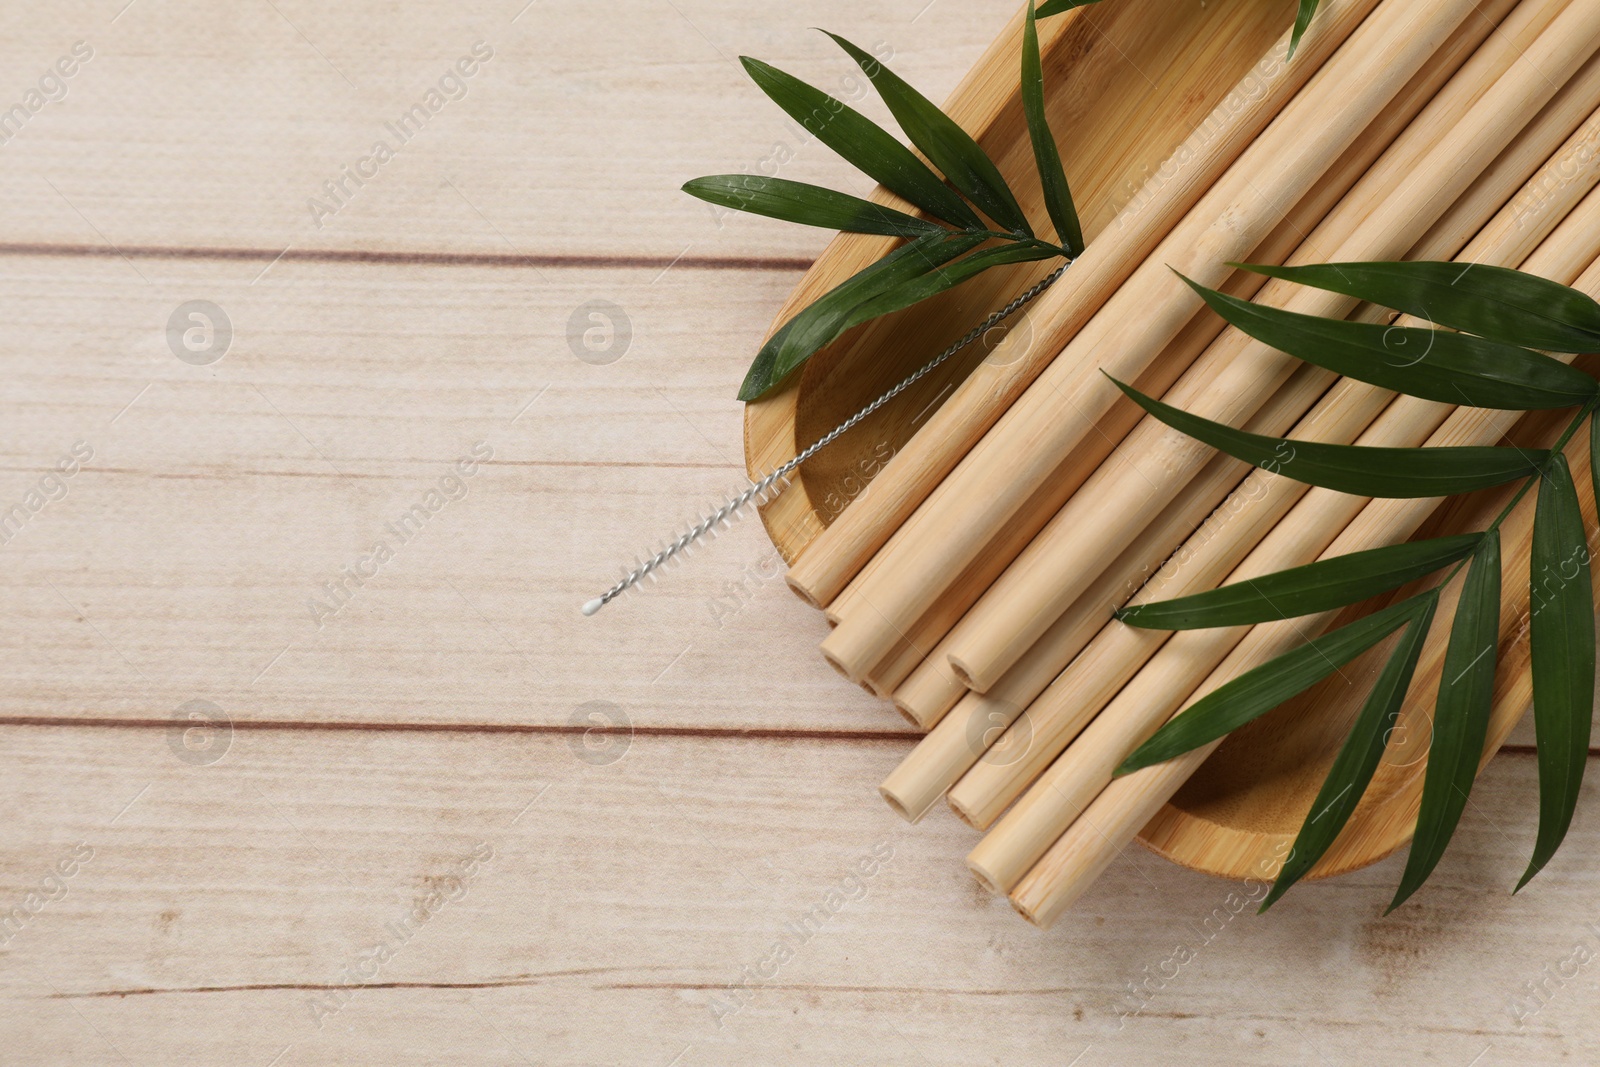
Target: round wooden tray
{"x":1238,"y":816}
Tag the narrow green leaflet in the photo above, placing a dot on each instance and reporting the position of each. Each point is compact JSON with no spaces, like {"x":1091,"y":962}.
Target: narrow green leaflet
{"x":863,"y":143}
{"x":1563,"y":656}
{"x":1257,"y":692}
{"x":1452,"y":368}
{"x":1056,"y":7}
{"x":758,"y":379}
{"x":829,"y":315}
{"x":945,"y":143}
{"x":1358,"y":758}
{"x":1302,"y":20}
{"x":892,"y":292}
{"x":1493,"y":302}
{"x":1594,"y":457}
{"x":1316,"y":587}
{"x":809,"y":205}
{"x":937,"y":281}
{"x":1046,"y":154}
{"x":1308,"y":8}
{"x":1396,"y":473}
{"x":1460,"y":717}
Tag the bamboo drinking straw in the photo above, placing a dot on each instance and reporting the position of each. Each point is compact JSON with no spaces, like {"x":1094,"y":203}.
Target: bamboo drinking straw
{"x":913,"y":646}
{"x":1219,"y":547}
{"x":971,"y":731}
{"x":933,"y":625}
{"x":933,"y":687}
{"x":1238,"y":374}
{"x":1110,"y":823}
{"x":835,"y":556}
{"x":1025,"y":468}
{"x":1169,"y":679}
{"x":1119,"y":651}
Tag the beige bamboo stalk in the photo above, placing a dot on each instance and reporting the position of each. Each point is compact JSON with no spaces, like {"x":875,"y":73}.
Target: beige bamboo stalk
{"x":1032,"y":460}
{"x":1171,"y":679}
{"x":1095,"y":677}
{"x":1529,"y":59}
{"x":840,"y":551}
{"x":916,"y":645}
{"x":970,"y":732}
{"x":1110,"y":823}
{"x":912,"y":646}
{"x":1544,"y":200}
{"x":933,"y":688}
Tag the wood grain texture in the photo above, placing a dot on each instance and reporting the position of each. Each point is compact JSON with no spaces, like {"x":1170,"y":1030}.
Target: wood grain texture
{"x":684,"y":807}
{"x":623,"y":899}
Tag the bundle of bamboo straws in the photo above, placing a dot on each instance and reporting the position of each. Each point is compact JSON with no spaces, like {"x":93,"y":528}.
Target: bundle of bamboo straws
{"x":974,"y":583}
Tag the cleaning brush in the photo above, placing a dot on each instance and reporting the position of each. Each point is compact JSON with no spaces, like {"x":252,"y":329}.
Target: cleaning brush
{"x":770,"y":485}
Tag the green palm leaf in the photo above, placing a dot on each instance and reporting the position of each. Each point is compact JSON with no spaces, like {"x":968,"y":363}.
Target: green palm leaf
{"x":809,"y":205}
{"x":863,"y":143}
{"x":1316,"y":587}
{"x":1452,"y":368}
{"x":1358,"y":758}
{"x":1460,"y":717}
{"x":1302,"y":19}
{"x":946,"y":144}
{"x":1046,"y":155}
{"x":1493,"y":302}
{"x":831,"y":314}
{"x":937,"y":281}
{"x":1258,"y":691}
{"x":1397,"y":473}
{"x":1308,"y":8}
{"x":1563,"y":655}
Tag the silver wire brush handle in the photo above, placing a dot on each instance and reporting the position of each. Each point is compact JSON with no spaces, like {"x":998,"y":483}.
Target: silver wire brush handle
{"x":772,"y":484}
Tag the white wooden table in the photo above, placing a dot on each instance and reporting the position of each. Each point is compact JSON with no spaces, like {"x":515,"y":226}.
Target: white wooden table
{"x":239,"y":828}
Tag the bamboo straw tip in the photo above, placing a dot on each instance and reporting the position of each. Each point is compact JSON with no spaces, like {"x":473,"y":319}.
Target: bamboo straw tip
{"x":898,"y":805}
{"x":1023,"y":909}
{"x":906,"y":713}
{"x":962,"y":813}
{"x":838,"y":665}
{"x":802,"y":592}
{"x":985,"y":877}
{"x":963,"y":673}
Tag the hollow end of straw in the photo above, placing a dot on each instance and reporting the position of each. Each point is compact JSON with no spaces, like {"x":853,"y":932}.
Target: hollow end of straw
{"x":839,"y":648}
{"x":1024,"y":910}
{"x":907,"y":713}
{"x":986,"y":878}
{"x":803,"y":593}
{"x":930,"y":692}
{"x":876,"y":688}
{"x":961,"y":812}
{"x":963,"y":673}
{"x":834,"y":662}
{"x":897,"y":805}
{"x":920,"y":715}
{"x":903,"y":805}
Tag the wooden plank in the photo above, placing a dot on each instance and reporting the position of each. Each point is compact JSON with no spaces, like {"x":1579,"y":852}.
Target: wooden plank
{"x":180,"y":563}
{"x":196,"y":124}
{"x":223,"y":901}
{"x":183,"y":558}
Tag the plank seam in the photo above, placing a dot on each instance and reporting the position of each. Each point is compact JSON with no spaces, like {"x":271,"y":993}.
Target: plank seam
{"x":442,"y":259}
{"x":559,"y":729}
{"x":728,"y":733}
